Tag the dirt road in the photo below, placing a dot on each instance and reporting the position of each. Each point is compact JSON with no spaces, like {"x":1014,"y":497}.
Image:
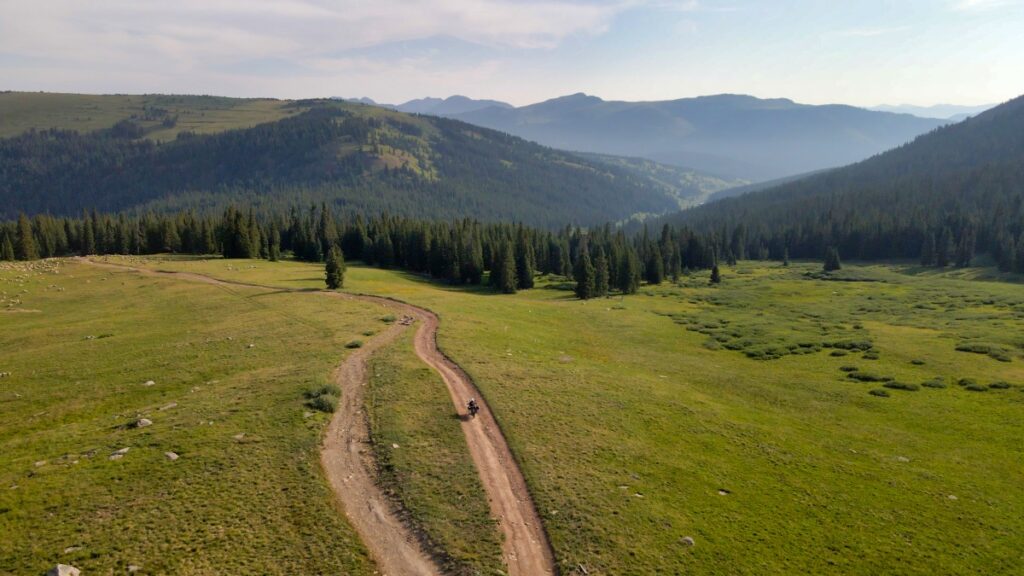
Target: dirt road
{"x":348,"y":462}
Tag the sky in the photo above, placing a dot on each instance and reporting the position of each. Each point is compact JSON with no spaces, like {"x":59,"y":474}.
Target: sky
{"x":859,"y":52}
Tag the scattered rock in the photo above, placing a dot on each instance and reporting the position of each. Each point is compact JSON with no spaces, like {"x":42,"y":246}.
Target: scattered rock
{"x":902,"y":459}
{"x":638,"y":495}
{"x":116,"y":456}
{"x":565,"y":358}
{"x":132,"y":568}
{"x":169,"y":406}
{"x":71,"y":549}
{"x":724,"y":492}
{"x":143,"y":422}
{"x":687,"y":541}
{"x":172,"y":456}
{"x":5,"y":374}
{"x":40,"y":463}
{"x":307,"y":414}
{"x":122,"y":451}
{"x":239,"y":436}
{"x":951,"y":497}
{"x":64,"y":570}
{"x":395,"y":446}
{"x":149,"y":383}
{"x":251,"y":346}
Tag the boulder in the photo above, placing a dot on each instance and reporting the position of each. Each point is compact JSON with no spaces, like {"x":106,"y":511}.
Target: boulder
{"x":149,"y":383}
{"x":172,"y":456}
{"x":143,"y":422}
{"x":64,"y":570}
{"x":687,"y":541}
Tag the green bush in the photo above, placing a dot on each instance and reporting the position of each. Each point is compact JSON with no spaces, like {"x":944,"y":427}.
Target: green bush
{"x":1000,"y":385}
{"x":839,"y":353}
{"x":879,"y":392}
{"x":902,"y":386}
{"x":976,"y":388}
{"x":870,"y":355}
{"x":934,"y":383}
{"x":967,"y":382}
{"x":388,"y":319}
{"x":868,"y":377}
{"x":851,"y":344}
{"x":324,"y":403}
{"x":354,"y":344}
{"x":917,"y":362}
{"x":326,"y":389}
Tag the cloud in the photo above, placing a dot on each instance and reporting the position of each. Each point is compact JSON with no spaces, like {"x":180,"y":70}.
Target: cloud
{"x":869,"y":32}
{"x":979,"y":5}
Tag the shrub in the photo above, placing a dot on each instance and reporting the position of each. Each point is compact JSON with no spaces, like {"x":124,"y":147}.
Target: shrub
{"x":934,"y":383}
{"x":967,"y":382}
{"x":368,"y":333}
{"x":902,"y":386}
{"x":852,"y":344}
{"x":848,"y":368}
{"x":354,"y":344}
{"x":324,"y":403}
{"x":1000,"y":385}
{"x":976,"y":388}
{"x":879,"y":392}
{"x":870,"y":355}
{"x":869,"y":377}
{"x":917,"y":362}
{"x":992,"y":350}
{"x":838,"y":353}
{"x":388,"y":319}
{"x":325,"y":390}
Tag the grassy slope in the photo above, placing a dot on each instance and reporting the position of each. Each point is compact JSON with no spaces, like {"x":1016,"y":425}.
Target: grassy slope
{"x":628,"y":424}
{"x":254,"y":505}
{"x":430,"y":471}
{"x":21,"y":111}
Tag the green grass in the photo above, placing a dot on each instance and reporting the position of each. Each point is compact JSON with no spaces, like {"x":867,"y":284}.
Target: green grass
{"x":246,"y":494}
{"x":21,"y":111}
{"x":424,"y":460}
{"x":630,"y":428}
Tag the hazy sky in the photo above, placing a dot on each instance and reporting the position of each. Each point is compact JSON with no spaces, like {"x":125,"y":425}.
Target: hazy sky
{"x":861,"y":52}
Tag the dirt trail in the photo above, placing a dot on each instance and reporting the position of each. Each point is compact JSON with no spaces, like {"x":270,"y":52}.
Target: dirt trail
{"x":348,"y":460}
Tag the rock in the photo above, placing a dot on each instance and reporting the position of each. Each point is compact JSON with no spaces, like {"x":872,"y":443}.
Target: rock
{"x":149,"y":383}
{"x":143,"y":422}
{"x":40,"y":463}
{"x":64,"y":570}
{"x":172,"y":456}
{"x":951,"y":497}
{"x":251,"y":346}
{"x":116,"y":456}
{"x":395,"y":446}
{"x":902,"y":459}
{"x":132,"y":568}
{"x":169,"y":406}
{"x":687,"y":541}
{"x":724,"y":492}
{"x":71,"y":549}
{"x":122,"y":450}
{"x":238,"y":436}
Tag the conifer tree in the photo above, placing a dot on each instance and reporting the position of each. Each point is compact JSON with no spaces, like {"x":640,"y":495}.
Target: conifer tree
{"x":628,"y":279}
{"x":585,"y":275}
{"x":785,"y":256}
{"x":335,"y":268}
{"x":6,"y":248}
{"x":600,"y":274}
{"x":716,"y":275}
{"x":88,"y":238}
{"x":832,"y":262}
{"x":274,"y":243}
{"x":944,"y":249}
{"x":655,"y":269}
{"x":507,"y":280}
{"x":928,"y":255}
{"x":524,"y":261}
{"x":24,"y":241}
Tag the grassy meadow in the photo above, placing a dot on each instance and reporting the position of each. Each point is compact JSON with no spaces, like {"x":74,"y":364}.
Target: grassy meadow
{"x":22,"y":111}
{"x":742,"y":416}
{"x":229,"y":368}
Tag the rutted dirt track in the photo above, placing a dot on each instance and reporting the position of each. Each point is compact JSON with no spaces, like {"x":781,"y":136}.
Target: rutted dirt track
{"x":348,"y":460}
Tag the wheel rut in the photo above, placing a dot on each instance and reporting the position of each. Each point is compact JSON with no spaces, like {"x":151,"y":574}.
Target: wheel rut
{"x":348,"y":462}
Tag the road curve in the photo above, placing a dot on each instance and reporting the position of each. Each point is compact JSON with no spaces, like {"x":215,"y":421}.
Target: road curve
{"x":350,"y":468}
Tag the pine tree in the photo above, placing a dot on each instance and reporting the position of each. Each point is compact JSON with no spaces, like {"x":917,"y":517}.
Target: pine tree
{"x":600,"y":274}
{"x":944,"y":249}
{"x":7,"y":248}
{"x":628,"y":279}
{"x":274,"y":243}
{"x":88,"y":238}
{"x":524,"y":261}
{"x":585,"y":275}
{"x":655,"y":270}
{"x":928,"y":251}
{"x":785,"y":256}
{"x":716,"y":275}
{"x":832,"y":262}
{"x":335,"y":268}
{"x":507,"y":280}
{"x":24,"y":241}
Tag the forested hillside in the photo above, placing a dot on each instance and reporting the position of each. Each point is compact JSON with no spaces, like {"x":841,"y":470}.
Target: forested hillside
{"x":948,"y":195}
{"x":359,"y":158}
